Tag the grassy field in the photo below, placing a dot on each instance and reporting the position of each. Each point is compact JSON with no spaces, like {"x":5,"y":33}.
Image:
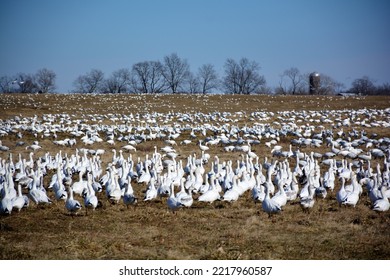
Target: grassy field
{"x":239,"y":230}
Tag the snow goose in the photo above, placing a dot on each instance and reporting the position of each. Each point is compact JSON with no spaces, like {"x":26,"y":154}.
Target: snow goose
{"x":203,"y":147}
{"x":164,"y":187}
{"x":308,"y":202}
{"x":8,"y":188}
{"x":58,"y":187}
{"x":247,"y":182}
{"x":22,"y":175}
{"x":351,"y":198}
{"x":145,"y":176}
{"x":185,"y":142}
{"x":129,"y":198}
{"x":190,"y":181}
{"x":3,"y":148}
{"x":346,"y":170}
{"x":72,"y":205}
{"x":79,"y":186}
{"x":206,"y":186}
{"x":381,"y":205}
{"x":168,"y":149}
{"x":211,"y":194}
{"x":6,"y":204}
{"x":377,"y":153}
{"x":19,"y":201}
{"x":293,"y":188}
{"x":129,"y":148}
{"x":90,"y":199}
{"x":329,"y":178}
{"x":151,"y":192}
{"x":115,"y":193}
{"x":198,"y":179}
{"x":35,"y":146}
{"x":133,"y":174}
{"x":96,"y":185}
{"x":258,"y":193}
{"x":342,"y":193}
{"x":233,"y":193}
{"x":252,"y":154}
{"x":374,"y":193}
{"x":37,"y":195}
{"x":268,"y":205}
{"x":183,"y":196}
{"x":172,"y":202}
{"x":280,"y":197}
{"x":268,"y":183}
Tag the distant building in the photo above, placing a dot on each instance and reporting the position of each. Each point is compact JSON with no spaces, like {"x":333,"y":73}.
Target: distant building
{"x":314,"y":83}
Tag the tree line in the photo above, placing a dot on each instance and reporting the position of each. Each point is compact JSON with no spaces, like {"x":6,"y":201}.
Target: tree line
{"x":173,"y":75}
{"x":43,"y":81}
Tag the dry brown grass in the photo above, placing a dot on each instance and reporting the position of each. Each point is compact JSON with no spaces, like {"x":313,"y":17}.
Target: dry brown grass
{"x":239,"y":230}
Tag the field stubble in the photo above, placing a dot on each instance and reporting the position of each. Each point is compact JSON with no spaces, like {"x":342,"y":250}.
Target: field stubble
{"x":239,"y":230}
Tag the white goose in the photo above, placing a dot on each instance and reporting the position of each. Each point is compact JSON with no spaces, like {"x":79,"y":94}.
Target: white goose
{"x":329,"y":178}
{"x":268,"y":205}
{"x":172,"y":202}
{"x":351,"y":198}
{"x":233,"y":193}
{"x":293,"y":189}
{"x":258,"y":193}
{"x":9,"y":186}
{"x":37,"y":194}
{"x":79,"y":186}
{"x":211,"y":194}
{"x":72,"y":205}
{"x":151,"y":192}
{"x":129,"y":198}
{"x":183,"y":196}
{"x":90,"y":199}
{"x":382,"y":204}
{"x":145,"y":176}
{"x":308,"y":202}
{"x":268,"y":183}
{"x":164,"y":188}
{"x":19,"y":201}
{"x":6,"y":205}
{"x":342,"y":193}
{"x":59,"y":188}
{"x":372,"y":188}
{"x":280,"y":197}
{"x":203,"y":147}
{"x":115,"y":193}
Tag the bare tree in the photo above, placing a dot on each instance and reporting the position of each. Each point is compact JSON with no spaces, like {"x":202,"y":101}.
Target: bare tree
{"x":6,"y":84}
{"x":193,"y":83}
{"x":292,"y":82}
{"x":208,"y":78}
{"x":148,"y":77}
{"x":383,"y":89}
{"x":242,"y":77}
{"x":45,"y":80}
{"x":109,"y":85}
{"x":26,"y":83}
{"x":329,"y":86}
{"x":90,"y":82}
{"x":118,"y":82}
{"x":363,"y":85}
{"x":175,"y":71}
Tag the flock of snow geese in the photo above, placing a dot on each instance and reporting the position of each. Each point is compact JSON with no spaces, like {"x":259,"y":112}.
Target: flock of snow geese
{"x":224,"y":167}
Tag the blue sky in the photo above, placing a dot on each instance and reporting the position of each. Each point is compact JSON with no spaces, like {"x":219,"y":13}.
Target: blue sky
{"x":344,"y":39}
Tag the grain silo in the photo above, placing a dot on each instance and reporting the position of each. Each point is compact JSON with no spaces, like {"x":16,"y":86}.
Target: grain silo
{"x":314,"y":82}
